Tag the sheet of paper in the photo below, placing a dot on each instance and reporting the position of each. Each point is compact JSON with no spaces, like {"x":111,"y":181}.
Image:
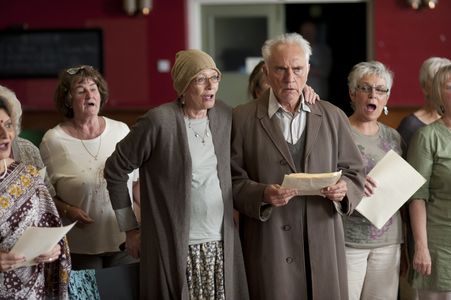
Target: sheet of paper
{"x":42,"y":172}
{"x":396,"y":182}
{"x":310,"y":184}
{"x":37,"y":240}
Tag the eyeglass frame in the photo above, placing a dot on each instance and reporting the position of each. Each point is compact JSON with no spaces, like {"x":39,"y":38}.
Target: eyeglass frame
{"x":377,"y":90}
{"x":202,"y":80}
{"x":75,"y":70}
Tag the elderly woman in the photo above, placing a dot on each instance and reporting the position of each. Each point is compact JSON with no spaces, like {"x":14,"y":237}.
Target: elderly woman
{"x":190,"y":248}
{"x":427,"y":113}
{"x":21,"y":149}
{"x":373,"y":255}
{"x":430,"y":154}
{"x":74,"y":153}
{"x":25,"y":202}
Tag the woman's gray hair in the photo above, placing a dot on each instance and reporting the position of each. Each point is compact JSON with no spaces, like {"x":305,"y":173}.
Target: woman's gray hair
{"x":443,"y":74}
{"x":13,"y":105}
{"x":286,"y":38}
{"x":363,"y":69}
{"x":429,"y":67}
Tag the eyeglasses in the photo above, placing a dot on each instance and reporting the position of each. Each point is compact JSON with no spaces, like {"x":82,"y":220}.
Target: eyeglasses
{"x":203,"y":80}
{"x":378,"y":90}
{"x":73,"y":71}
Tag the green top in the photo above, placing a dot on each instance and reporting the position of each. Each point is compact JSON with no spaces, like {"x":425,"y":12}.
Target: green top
{"x":430,"y":155}
{"x":359,"y":232}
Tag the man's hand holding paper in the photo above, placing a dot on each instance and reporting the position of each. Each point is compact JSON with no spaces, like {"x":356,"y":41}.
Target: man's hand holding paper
{"x":322,"y":184}
{"x":276,"y":195}
{"x":335,"y":192}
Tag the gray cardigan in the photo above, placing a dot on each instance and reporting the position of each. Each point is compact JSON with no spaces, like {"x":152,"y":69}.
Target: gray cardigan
{"x":157,"y":144}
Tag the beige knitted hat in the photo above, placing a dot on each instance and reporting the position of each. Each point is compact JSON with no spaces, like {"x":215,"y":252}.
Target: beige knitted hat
{"x":188,"y":63}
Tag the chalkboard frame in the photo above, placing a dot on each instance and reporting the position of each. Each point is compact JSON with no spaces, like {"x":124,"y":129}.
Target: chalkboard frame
{"x":43,"y":53}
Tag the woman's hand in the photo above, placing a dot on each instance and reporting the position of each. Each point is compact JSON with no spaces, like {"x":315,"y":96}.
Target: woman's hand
{"x":370,"y":186}
{"x":49,"y":256}
{"x":422,"y":261}
{"x":8,"y":261}
{"x":133,"y":242}
{"x":336,"y":192}
{"x":309,"y":95}
{"x":77,"y":214}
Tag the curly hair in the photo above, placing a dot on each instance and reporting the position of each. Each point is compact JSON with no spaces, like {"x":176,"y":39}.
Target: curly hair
{"x":68,"y":78}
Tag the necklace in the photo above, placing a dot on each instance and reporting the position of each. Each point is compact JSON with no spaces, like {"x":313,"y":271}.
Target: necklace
{"x":6,"y":169}
{"x":197,"y":134}
{"x":89,"y":152}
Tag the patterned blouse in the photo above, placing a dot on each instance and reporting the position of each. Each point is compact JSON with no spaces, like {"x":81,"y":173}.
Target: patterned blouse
{"x":25,"y":202}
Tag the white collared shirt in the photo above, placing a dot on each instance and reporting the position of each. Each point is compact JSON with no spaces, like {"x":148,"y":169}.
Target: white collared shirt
{"x":292,"y":125}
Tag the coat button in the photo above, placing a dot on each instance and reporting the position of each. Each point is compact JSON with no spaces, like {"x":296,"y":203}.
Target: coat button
{"x":283,"y":162}
{"x":289,"y":260}
{"x":286,"y":227}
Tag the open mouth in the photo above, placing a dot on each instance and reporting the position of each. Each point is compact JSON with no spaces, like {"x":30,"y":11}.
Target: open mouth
{"x":4,"y":146}
{"x":371,"y":107}
{"x":208,"y":97}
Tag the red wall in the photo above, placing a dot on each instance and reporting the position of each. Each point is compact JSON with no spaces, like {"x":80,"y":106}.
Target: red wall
{"x":132,"y":46}
{"x":404,"y":38}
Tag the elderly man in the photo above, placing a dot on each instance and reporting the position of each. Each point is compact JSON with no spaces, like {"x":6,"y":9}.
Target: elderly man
{"x":293,"y":245}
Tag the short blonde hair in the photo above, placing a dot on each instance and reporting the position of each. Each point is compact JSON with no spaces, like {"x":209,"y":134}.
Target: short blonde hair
{"x":13,"y":106}
{"x":429,"y":67}
{"x":443,"y":74}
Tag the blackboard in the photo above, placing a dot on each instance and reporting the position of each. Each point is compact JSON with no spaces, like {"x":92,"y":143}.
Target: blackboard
{"x":44,"y":53}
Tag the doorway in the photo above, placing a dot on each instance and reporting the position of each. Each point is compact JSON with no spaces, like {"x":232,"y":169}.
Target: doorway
{"x":342,"y":25}
{"x":343,"y":28}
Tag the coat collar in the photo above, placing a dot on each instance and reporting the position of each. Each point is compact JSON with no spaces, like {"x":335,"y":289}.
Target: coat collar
{"x":272,"y":128}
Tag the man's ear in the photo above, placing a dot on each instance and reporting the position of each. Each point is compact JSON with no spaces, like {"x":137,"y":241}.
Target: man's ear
{"x":265,"y":70}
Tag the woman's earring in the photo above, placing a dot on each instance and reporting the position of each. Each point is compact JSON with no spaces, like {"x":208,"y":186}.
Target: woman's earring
{"x":385,"y":110}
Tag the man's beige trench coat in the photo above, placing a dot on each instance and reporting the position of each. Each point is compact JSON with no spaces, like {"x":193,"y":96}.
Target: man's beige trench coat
{"x":272,"y":237}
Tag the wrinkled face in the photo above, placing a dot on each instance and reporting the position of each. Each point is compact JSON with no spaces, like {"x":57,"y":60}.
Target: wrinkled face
{"x":201,"y":92}
{"x":370,"y":97}
{"x":287,"y":71}
{"x":7,"y":134}
{"x":85,"y":98}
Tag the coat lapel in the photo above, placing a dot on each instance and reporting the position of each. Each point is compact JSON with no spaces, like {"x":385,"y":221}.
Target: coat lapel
{"x":313,"y":124}
{"x":272,"y":129}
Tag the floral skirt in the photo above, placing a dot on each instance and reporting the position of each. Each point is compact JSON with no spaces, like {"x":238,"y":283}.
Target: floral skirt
{"x":205,"y":271}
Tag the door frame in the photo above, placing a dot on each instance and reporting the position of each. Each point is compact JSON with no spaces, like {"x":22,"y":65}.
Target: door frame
{"x":194,"y":17}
